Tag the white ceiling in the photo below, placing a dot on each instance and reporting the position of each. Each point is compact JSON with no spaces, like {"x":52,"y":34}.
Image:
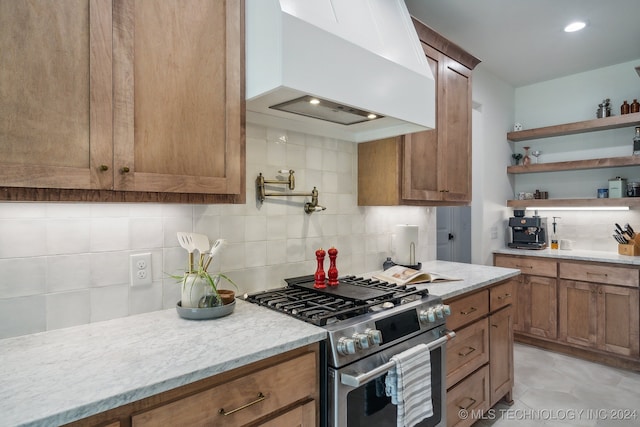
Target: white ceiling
{"x":523,"y":42}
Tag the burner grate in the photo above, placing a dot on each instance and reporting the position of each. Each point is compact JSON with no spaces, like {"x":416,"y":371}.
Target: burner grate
{"x":354,"y":296}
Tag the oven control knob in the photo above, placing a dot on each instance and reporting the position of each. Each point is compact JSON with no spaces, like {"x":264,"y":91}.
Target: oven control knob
{"x":375,"y":336}
{"x":439,"y":311}
{"x":346,"y":346}
{"x":446,"y":309}
{"x":361,"y":340}
{"x":428,"y":316}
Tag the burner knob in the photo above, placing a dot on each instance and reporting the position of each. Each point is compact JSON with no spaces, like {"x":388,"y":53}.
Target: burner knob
{"x":361,"y":340}
{"x":446,"y":309}
{"x":439,"y":311}
{"x":375,"y":336}
{"x":346,"y":346}
{"x":428,"y":316}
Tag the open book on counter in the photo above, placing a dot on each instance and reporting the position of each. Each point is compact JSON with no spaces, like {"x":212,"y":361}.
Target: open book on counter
{"x":405,"y":275}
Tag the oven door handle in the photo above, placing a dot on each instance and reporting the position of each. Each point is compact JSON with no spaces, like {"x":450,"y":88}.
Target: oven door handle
{"x":358,"y":380}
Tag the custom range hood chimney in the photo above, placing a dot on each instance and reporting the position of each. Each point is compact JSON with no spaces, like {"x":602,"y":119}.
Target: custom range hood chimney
{"x":347,"y":69}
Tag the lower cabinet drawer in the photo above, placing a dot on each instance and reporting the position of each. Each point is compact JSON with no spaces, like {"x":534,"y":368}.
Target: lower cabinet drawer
{"x":603,"y":274}
{"x":528,"y":265}
{"x":260,"y":393}
{"x":501,"y":295}
{"x":468,"y":309}
{"x":468,"y":399}
{"x":467,"y":351}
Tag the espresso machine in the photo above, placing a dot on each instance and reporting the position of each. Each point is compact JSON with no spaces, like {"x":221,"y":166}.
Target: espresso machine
{"x":528,"y":232}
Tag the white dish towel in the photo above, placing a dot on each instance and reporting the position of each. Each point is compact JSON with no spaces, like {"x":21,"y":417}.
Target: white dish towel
{"x":409,"y":385}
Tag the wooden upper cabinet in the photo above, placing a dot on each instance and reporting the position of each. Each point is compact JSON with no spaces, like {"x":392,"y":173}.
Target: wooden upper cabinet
{"x":55,"y":94}
{"x":432,"y":167}
{"x":178,"y":98}
{"x":144,"y":98}
{"x":437,"y":163}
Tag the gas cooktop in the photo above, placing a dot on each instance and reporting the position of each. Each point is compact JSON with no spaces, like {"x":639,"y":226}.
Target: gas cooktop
{"x":353,"y":296}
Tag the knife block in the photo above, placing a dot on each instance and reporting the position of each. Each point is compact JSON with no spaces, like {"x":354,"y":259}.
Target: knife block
{"x":631,"y":248}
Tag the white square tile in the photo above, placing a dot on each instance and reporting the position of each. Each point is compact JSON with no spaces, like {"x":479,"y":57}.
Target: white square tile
{"x":329,"y":160}
{"x":232,"y":228}
{"x":22,"y":316}
{"x":143,"y":299}
{"x":68,"y":309}
{"x":22,"y":277}
{"x":68,"y":210}
{"x":22,"y":210}
{"x":113,"y":210}
{"x":172,"y":225}
{"x":68,"y":272}
{"x":109,"y":302}
{"x":109,"y":268}
{"x":233,"y":257}
{"x":255,"y":228}
{"x":276,"y":227}
{"x":276,"y":252}
{"x":22,"y":238}
{"x":255,"y":254}
{"x":276,"y":158}
{"x":295,"y":250}
{"x":68,"y":236}
{"x":296,"y":226}
{"x":146,"y":233}
{"x":109,"y":234}
{"x":314,"y":158}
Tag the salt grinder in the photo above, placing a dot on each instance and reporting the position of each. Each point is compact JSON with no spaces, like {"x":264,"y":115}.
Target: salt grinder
{"x":320,"y":276}
{"x":333,"y":271}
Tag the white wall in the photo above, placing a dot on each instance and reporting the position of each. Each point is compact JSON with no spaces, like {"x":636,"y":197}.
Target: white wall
{"x":68,"y":264}
{"x":570,"y":99}
{"x":492,"y":118}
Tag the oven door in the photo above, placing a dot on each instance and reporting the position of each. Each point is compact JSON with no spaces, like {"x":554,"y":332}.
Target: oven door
{"x":364,"y":402}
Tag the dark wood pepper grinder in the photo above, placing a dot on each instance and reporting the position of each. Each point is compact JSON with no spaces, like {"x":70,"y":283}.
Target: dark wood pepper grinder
{"x":333,"y":270}
{"x":320,"y":276}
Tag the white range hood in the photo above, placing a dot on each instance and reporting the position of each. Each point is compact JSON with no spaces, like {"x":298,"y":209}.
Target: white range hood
{"x":359,"y":55}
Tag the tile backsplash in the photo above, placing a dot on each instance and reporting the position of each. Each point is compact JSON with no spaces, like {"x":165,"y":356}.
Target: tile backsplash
{"x":65,"y":264}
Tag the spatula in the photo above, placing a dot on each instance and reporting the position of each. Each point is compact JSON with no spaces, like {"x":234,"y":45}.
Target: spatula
{"x":186,"y":241}
{"x":217,"y":245}
{"x":201,"y":242}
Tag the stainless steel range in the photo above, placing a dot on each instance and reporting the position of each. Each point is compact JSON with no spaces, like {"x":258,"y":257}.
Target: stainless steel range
{"x":367,"y":321}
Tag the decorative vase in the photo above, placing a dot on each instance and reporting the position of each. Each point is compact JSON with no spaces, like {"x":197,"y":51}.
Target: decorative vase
{"x":226,"y":296}
{"x":526,"y":159}
{"x":198,"y":293}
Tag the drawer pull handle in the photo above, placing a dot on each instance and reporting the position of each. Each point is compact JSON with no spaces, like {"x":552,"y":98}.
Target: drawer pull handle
{"x":471,"y":310}
{"x":465,"y":408}
{"x":260,"y":398}
{"x":525,"y":266}
{"x":596,"y":274}
{"x":505,"y":296}
{"x":471,"y":350}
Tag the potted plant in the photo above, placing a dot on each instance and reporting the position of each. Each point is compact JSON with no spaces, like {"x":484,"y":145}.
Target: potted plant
{"x":199,"y":287}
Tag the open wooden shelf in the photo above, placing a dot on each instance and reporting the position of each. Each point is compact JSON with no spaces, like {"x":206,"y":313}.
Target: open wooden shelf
{"x":605,"y":123}
{"x":572,"y":165}
{"x":632,"y":202}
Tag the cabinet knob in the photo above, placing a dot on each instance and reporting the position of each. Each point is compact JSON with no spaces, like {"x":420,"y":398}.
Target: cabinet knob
{"x":124,"y":169}
{"x":104,"y":168}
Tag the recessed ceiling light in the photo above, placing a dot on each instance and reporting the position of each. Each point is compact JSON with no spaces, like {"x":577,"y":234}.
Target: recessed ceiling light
{"x":314,"y":101}
{"x":575,"y":26}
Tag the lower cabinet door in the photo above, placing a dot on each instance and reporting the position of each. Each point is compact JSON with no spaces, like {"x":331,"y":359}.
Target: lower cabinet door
{"x":578,"y":323}
{"x":468,"y":399}
{"x":501,"y":354}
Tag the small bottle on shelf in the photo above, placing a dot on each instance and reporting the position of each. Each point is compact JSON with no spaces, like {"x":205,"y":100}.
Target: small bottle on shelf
{"x":636,"y":142}
{"x":635,"y":106}
{"x":624,"y":108}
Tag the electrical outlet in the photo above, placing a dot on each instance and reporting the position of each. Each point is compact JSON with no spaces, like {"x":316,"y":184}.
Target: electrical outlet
{"x":494,"y":232}
{"x":140,"y":269}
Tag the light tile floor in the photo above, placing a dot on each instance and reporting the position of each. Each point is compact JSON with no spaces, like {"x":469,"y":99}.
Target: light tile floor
{"x":552,"y":389}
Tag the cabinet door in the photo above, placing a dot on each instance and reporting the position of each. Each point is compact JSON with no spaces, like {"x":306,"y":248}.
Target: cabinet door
{"x":578,"y":313}
{"x":178,"y":119}
{"x":617,"y":312}
{"x":540,"y":311}
{"x":55,"y":94}
{"x":437,"y":163}
{"x":501,"y":354}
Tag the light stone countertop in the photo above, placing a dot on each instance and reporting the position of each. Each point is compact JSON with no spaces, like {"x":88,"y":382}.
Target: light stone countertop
{"x":473,"y":277}
{"x":56,"y":377}
{"x":576,"y":255}
{"x":59,"y":376}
